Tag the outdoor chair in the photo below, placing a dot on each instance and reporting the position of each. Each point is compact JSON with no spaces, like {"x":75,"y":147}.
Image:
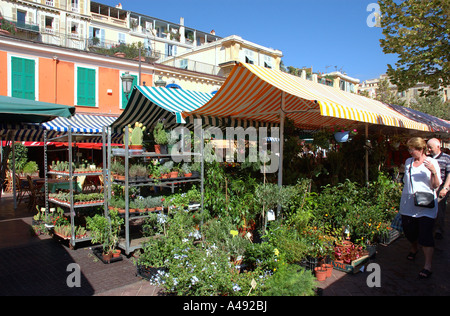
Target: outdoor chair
{"x":8,"y":182}
{"x":22,"y":189}
{"x":36,"y":194}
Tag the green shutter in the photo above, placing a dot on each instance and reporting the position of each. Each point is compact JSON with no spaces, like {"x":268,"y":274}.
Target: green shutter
{"x":124,"y":97}
{"x":23,"y":78}
{"x":86,"y":87}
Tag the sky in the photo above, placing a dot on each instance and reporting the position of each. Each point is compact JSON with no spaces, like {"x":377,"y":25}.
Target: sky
{"x":327,"y":35}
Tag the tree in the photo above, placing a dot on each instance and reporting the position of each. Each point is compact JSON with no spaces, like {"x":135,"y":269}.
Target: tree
{"x":418,"y":32}
{"x":387,"y":95}
{"x":432,"y":105}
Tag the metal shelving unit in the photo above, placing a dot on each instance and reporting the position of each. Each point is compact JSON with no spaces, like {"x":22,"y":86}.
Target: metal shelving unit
{"x":128,"y":244}
{"x":71,"y":137}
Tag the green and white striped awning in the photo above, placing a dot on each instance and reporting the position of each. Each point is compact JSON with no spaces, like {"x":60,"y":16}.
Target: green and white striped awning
{"x":149,"y":104}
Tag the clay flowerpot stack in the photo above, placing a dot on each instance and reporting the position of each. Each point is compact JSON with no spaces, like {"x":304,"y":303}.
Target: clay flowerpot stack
{"x":321,"y":273}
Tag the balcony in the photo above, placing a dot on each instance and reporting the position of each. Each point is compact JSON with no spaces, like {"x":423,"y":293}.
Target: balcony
{"x":77,"y":41}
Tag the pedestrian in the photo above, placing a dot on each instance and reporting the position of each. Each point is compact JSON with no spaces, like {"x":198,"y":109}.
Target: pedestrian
{"x":422,"y":174}
{"x":443,"y":159}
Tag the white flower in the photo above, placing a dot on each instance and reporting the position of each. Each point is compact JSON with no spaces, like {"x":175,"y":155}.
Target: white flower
{"x":194,"y":280}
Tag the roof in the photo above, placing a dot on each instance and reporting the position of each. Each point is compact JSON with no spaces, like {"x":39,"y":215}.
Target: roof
{"x":149,"y":104}
{"x":436,"y":124}
{"x":24,"y":110}
{"x":259,"y":94}
{"x":79,"y":123}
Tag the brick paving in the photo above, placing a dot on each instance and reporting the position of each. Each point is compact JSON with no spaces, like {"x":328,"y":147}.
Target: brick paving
{"x":31,"y":265}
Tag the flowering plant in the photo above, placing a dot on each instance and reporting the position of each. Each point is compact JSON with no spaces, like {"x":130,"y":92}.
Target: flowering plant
{"x":7,"y":26}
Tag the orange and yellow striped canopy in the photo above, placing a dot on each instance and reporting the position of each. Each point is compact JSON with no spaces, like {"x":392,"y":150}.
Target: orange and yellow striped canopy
{"x":257,"y":93}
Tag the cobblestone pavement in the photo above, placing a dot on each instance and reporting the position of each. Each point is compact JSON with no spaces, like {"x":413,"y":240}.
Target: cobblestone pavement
{"x":31,"y":265}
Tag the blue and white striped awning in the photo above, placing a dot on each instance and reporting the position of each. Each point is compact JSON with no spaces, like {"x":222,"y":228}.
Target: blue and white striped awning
{"x":149,"y":104}
{"x":79,"y":123}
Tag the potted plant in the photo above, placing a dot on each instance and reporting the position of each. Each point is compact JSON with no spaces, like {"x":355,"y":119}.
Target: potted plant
{"x":7,"y":27}
{"x":195,"y":168}
{"x":118,"y":170}
{"x":186,"y":169}
{"x":138,"y":172}
{"x":161,"y":138}
{"x":31,"y":168}
{"x":105,"y":232}
{"x":135,"y":136}
{"x":165,"y":169}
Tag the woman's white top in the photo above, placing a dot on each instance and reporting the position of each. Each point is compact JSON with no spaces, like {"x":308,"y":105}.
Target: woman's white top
{"x":421,"y":178}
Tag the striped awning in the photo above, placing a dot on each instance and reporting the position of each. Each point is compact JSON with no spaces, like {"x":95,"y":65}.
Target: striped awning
{"x":149,"y":104}
{"x":435,"y":123}
{"x":79,"y":123}
{"x":257,"y":93}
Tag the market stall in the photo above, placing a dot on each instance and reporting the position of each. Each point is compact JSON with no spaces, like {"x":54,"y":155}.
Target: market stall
{"x":261,"y":94}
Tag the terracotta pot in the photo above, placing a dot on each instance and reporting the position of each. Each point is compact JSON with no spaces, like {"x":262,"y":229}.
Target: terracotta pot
{"x":116,"y":253}
{"x":321,"y":273}
{"x":119,"y":54}
{"x":107,"y":256}
{"x":329,"y":268}
{"x":173,"y":174}
{"x":187,"y":175}
{"x":135,"y":147}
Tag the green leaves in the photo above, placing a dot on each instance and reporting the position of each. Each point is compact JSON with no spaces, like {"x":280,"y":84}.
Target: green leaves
{"x":418,"y":32}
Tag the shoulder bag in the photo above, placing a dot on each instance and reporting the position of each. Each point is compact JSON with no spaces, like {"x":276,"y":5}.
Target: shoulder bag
{"x":422,"y":199}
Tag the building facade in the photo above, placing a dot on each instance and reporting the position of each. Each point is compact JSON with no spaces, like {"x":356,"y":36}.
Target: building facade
{"x":74,"y":52}
{"x":371,"y":86}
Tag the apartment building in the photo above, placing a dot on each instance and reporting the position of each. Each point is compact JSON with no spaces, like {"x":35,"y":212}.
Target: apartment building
{"x":371,"y":86}
{"x":74,"y":52}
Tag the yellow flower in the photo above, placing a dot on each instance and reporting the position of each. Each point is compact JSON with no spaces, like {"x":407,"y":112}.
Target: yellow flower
{"x":276,"y":252}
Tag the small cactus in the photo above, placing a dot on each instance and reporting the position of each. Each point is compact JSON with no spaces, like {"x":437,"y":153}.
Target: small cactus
{"x":136,"y":134}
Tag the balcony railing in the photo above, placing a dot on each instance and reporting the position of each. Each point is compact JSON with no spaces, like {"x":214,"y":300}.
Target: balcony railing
{"x":96,"y":45}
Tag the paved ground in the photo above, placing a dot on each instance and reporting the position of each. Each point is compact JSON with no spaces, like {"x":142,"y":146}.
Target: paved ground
{"x":31,"y":265}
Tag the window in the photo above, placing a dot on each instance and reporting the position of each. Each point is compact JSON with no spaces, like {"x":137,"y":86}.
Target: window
{"x":184,"y":64}
{"x":97,"y":36}
{"x":124,"y":97}
{"x":121,"y":38}
{"x":171,"y":50}
{"x":86,"y":86}
{"x":75,"y":6}
{"x":249,"y":56}
{"x":267,"y":61}
{"x":74,"y":28}
{"x":48,"y":22}
{"x":21,"y":17}
{"x":23,"y":78}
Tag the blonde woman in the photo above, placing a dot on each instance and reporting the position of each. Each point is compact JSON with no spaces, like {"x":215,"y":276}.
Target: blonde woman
{"x":422,"y":174}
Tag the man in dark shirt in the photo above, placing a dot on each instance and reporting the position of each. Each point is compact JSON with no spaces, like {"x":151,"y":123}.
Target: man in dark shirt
{"x":434,"y":145}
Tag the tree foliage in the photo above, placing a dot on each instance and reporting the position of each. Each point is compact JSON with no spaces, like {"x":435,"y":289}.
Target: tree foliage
{"x":418,"y":32}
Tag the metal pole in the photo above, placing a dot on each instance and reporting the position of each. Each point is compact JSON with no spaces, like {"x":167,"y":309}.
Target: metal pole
{"x":71,"y":179}
{"x":14,"y":170}
{"x":45,"y":173}
{"x":367,"y":153}
{"x":127,"y":197}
